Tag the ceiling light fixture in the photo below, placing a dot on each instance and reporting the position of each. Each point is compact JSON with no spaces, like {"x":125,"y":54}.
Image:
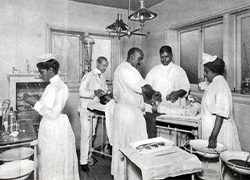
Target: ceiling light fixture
{"x":122,"y":29}
{"x":142,"y":14}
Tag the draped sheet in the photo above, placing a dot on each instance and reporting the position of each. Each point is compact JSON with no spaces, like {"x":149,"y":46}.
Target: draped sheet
{"x":162,"y":164}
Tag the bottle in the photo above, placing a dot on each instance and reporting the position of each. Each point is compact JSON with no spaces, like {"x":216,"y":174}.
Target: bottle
{"x":11,"y":119}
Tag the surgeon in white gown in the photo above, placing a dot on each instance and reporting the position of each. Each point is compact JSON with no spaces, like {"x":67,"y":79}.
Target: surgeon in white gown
{"x":56,"y":141}
{"x":129,"y":123}
{"x":169,"y":79}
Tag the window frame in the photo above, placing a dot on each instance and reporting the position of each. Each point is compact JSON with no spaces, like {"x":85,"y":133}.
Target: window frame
{"x":201,"y":41}
{"x":238,"y":34}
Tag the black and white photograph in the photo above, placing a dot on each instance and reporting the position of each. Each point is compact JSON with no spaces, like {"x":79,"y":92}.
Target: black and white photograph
{"x":125,"y":90}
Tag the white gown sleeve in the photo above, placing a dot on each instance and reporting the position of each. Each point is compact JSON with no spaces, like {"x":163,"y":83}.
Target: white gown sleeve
{"x":83,"y":90}
{"x":55,"y":111}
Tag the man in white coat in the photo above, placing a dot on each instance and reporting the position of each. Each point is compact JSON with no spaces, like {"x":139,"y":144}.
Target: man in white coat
{"x":93,"y":86}
{"x":129,"y":123}
{"x":170,"y":80}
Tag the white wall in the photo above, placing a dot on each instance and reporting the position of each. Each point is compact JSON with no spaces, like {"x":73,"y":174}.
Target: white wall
{"x":22,"y":29}
{"x":23,"y":36}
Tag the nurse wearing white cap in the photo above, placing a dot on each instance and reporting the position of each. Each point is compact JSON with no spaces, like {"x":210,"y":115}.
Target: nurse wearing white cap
{"x":216,"y":108}
{"x":56,"y":142}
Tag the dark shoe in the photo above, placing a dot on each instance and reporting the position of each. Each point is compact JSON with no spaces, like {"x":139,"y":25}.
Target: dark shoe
{"x":85,"y":168}
{"x":92,"y":161}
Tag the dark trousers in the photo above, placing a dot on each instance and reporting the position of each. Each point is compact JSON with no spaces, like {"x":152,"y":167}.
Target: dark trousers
{"x":151,"y":124}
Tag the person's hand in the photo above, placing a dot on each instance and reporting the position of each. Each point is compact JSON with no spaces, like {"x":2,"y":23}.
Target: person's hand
{"x":173,"y":96}
{"x":154,"y":108}
{"x":193,"y":98}
{"x":212,"y":142}
{"x":99,"y":92}
{"x":29,"y":99}
{"x":156,"y":97}
{"x":37,"y":96}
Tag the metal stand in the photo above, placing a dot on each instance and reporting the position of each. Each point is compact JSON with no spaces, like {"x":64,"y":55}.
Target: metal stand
{"x":102,"y":118}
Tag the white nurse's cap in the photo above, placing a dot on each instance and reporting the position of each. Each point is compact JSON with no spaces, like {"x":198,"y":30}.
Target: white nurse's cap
{"x":45,"y":57}
{"x":208,"y":58}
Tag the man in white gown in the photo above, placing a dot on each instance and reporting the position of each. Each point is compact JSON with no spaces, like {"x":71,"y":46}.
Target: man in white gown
{"x":93,"y":86}
{"x":129,"y":123}
{"x":170,"y":80}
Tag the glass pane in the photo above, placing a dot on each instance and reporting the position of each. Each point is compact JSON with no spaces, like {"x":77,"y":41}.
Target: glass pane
{"x":213,"y":40}
{"x":245,"y":48}
{"x":102,"y":47}
{"x":66,"y":48}
{"x":189,"y":54}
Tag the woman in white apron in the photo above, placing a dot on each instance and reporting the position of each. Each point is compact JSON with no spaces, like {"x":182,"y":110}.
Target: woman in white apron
{"x":216,"y":108}
{"x":56,"y":141}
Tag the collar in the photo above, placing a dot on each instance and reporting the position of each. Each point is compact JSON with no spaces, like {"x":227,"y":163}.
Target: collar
{"x":97,"y":71}
{"x":217,"y":78}
{"x":54,"y":79}
{"x":169,"y":65}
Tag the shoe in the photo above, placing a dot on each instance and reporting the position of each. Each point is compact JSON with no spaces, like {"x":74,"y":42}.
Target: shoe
{"x":85,"y":168}
{"x":92,"y":161}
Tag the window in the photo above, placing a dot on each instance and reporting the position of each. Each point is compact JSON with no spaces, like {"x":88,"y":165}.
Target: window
{"x":193,"y":41}
{"x":103,"y":47}
{"x":68,"y":48}
{"x":243,"y":47}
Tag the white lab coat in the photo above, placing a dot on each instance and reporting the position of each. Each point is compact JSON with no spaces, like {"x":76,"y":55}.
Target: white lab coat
{"x":166,"y":79}
{"x":56,"y":140}
{"x":217,"y":100}
{"x":129,"y":123}
{"x":90,"y":82}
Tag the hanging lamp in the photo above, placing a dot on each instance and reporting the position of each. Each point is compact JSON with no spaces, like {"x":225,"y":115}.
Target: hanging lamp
{"x":118,"y":26}
{"x":142,"y":14}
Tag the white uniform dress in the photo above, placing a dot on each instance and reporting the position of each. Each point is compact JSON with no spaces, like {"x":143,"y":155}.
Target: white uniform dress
{"x":56,"y":141}
{"x":129,"y":123}
{"x":91,"y":81}
{"x":167,"y":79}
{"x":217,"y":100}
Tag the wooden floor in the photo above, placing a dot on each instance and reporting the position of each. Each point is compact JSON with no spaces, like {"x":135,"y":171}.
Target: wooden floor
{"x":101,"y":170}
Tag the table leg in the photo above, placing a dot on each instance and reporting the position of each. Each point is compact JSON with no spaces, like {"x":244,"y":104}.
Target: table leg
{"x":35,"y":162}
{"x":125,"y":168}
{"x":222,"y":169}
{"x":192,"y":177}
{"x":91,"y":137}
{"x":34,"y":144}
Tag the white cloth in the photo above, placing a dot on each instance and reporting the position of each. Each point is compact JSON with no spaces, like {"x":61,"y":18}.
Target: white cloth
{"x":190,"y":110}
{"x":109,"y":116}
{"x":167,"y":79}
{"x":217,"y":100}
{"x":90,"y":82}
{"x":165,"y":163}
{"x":56,"y":140}
{"x":129,"y":123}
{"x":207,"y":58}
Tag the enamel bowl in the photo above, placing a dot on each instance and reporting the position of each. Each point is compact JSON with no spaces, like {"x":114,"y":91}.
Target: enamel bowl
{"x":200,"y":147}
{"x":14,"y":154}
{"x":236,"y":155}
{"x":16,"y":170}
